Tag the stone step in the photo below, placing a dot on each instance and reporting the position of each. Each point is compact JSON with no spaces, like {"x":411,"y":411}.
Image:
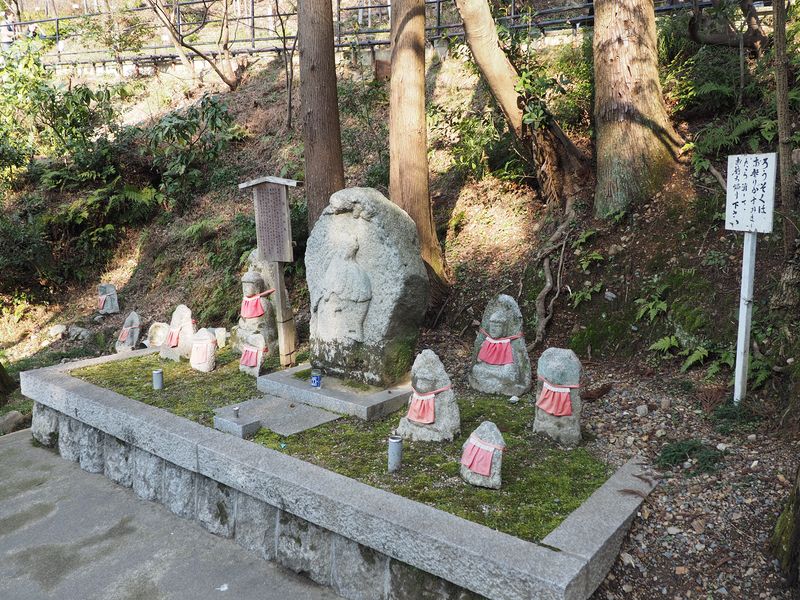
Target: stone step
{"x":335,"y":395}
{"x":282,"y":416}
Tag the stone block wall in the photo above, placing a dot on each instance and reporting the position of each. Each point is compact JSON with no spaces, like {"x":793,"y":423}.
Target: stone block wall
{"x":353,"y":570}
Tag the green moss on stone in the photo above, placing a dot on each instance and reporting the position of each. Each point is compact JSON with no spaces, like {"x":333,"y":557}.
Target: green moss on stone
{"x":303,"y":375}
{"x":187,"y":393}
{"x":542,"y":483}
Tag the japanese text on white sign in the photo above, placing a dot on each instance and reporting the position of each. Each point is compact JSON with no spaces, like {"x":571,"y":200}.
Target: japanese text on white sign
{"x":751,"y":192}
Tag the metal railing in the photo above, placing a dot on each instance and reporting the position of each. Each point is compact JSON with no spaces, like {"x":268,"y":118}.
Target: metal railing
{"x":255,"y":27}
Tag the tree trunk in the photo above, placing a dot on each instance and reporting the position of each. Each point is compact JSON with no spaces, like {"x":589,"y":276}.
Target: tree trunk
{"x":785,"y":540}
{"x":636,"y":146}
{"x":718,"y":30}
{"x":322,"y":136}
{"x":6,"y":383}
{"x":558,"y":165}
{"x":786,"y":168}
{"x":408,"y":134}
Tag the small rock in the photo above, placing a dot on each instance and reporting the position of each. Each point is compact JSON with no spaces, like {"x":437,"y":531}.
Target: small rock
{"x":629,"y":441}
{"x":10,"y":422}
{"x":57,"y":331}
{"x":627,"y":559}
{"x":665,"y":403}
{"x":687,"y":464}
{"x":754,"y":464}
{"x":98,"y":318}
{"x":627,"y":588}
{"x":661,"y":433}
{"x":681,"y":570}
{"x":614,"y":250}
{"x":610,"y":296}
{"x":673,"y":530}
{"x":752,"y":437}
{"x":722,"y":447}
{"x":513,"y":399}
{"x":698,"y":525}
{"x":641,"y":410}
{"x":78,"y":333}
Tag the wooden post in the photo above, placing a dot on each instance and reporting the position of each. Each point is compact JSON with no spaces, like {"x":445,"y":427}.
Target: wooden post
{"x":274,"y":238}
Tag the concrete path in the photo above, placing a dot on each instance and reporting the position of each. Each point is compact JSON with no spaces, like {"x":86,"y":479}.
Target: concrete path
{"x":69,"y":535}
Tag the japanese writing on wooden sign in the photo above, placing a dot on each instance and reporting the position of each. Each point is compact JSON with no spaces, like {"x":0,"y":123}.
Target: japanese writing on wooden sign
{"x":751,"y":192}
{"x":273,"y":225}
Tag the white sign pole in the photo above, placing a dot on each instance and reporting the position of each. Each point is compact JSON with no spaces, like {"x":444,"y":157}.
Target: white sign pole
{"x":745,"y":316}
{"x":748,"y":208}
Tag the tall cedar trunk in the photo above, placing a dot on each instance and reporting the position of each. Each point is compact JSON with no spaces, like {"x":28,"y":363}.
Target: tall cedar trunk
{"x":558,"y":164}
{"x":408,"y":136}
{"x":636,"y":145}
{"x":322,"y":136}
{"x":784,"y":131}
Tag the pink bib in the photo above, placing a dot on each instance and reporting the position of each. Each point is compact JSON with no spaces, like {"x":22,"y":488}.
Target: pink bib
{"x":173,"y":337}
{"x":554,"y":399}
{"x":123,"y":335}
{"x":497,"y":351}
{"x":477,"y":456}
{"x":199,"y":353}
{"x":101,"y":301}
{"x":251,"y":305}
{"x":249,"y":357}
{"x":423,"y":406}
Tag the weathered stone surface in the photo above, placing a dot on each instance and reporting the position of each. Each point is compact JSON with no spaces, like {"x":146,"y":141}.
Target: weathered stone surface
{"x":10,"y":421}
{"x":69,"y":438}
{"x":487,"y":432}
{"x":148,"y":475}
{"x":368,"y":287}
{"x":215,"y":506}
{"x":409,"y":583}
{"x":560,"y":366}
{"x":253,"y":284}
{"x":359,"y":573}
{"x":157,"y":334}
{"x":179,"y":490}
{"x":256,"y":524}
{"x":428,"y":375}
{"x":44,"y":425}
{"x":253,"y":342}
{"x":57,"y":331}
{"x":182,"y":323}
{"x":222,"y":336}
{"x":118,"y":461}
{"x":204,"y":351}
{"x":78,"y":334}
{"x":304,"y":548}
{"x":91,"y":444}
{"x":107,"y":302}
{"x":501,"y":319}
{"x":128,"y":337}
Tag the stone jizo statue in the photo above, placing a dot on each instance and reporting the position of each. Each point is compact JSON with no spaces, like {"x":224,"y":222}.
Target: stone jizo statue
{"x":433,"y":414}
{"x":253,"y":349}
{"x":500,"y":360}
{"x":180,"y":335}
{"x":256,"y":314}
{"x":128,"y":336}
{"x":204,"y":351}
{"x":107,"y":302}
{"x":558,"y":404}
{"x":482,"y":456}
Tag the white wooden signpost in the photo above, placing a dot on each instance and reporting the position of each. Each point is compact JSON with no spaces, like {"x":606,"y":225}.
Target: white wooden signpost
{"x":749,"y":208}
{"x":274,"y":239}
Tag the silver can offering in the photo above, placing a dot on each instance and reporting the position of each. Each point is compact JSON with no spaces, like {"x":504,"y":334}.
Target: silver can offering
{"x":316,"y":378}
{"x":158,"y":379}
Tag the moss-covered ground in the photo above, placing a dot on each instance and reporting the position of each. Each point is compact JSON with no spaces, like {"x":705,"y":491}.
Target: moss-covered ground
{"x":187,"y":393}
{"x":542,"y":483}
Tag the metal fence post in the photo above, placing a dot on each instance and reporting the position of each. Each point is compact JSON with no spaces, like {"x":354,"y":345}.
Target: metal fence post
{"x":438,"y":17}
{"x":253,"y":24}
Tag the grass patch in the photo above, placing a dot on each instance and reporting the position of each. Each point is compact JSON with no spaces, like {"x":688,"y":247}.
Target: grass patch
{"x":357,"y":385}
{"x":542,"y":483}
{"x":729,"y":417}
{"x":303,"y":375}
{"x":187,"y":393}
{"x":704,"y":458}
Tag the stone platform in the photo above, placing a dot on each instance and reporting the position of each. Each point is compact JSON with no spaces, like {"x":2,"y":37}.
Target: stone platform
{"x":335,"y":395}
{"x":364,"y":542}
{"x":284,"y":417}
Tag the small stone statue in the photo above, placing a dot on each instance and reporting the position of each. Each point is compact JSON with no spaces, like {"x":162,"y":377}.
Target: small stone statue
{"x":257,"y":314}
{"x":433,"y":414}
{"x":179,"y":337}
{"x":128,"y":336}
{"x":558,"y":405}
{"x":482,"y":456}
{"x":253,"y":349}
{"x":204,"y":351}
{"x":107,"y":302}
{"x":156,"y":334}
{"x":500,"y":361}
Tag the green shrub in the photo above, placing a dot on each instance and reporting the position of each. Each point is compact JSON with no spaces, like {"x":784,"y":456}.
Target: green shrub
{"x":704,"y":458}
{"x":24,"y":255}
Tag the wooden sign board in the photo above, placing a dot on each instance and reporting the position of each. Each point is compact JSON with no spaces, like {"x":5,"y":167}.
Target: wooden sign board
{"x":751,"y":193}
{"x":273,"y":223}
